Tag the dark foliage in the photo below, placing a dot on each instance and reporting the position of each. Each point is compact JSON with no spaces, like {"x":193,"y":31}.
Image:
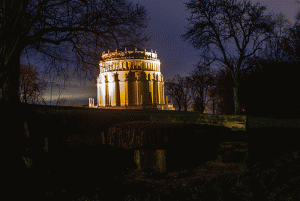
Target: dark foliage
{"x":270,"y":90}
{"x":223,"y":92}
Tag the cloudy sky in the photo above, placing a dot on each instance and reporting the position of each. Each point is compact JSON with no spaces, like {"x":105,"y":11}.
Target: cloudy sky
{"x":167,"y":24}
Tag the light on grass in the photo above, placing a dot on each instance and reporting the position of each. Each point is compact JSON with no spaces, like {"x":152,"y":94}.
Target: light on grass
{"x":49,"y":193}
{"x":130,"y":198}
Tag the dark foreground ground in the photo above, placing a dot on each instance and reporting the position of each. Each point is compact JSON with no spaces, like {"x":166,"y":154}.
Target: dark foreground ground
{"x":202,"y":182}
{"x":270,"y":171}
{"x":218,"y":179}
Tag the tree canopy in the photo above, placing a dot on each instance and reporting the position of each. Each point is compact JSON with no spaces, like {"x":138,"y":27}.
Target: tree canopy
{"x":31,"y":85}
{"x":228,"y":32}
{"x":64,"y":31}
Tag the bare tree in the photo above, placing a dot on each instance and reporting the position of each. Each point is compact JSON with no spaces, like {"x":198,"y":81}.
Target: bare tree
{"x":221,"y":92}
{"x":187,"y":92}
{"x":172,"y":90}
{"x":62,"y":33}
{"x":61,"y":30}
{"x":61,"y":102}
{"x":279,"y":47}
{"x":201,"y":79}
{"x":31,"y":85}
{"x":228,"y":32}
{"x":292,"y":44}
{"x":181,"y":92}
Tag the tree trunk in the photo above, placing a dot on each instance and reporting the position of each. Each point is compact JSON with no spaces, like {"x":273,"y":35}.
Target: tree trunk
{"x":12,"y":132}
{"x":179,"y":108}
{"x":185,"y":107}
{"x":213,"y":106}
{"x":11,"y":83}
{"x":179,"y":105}
{"x":202,"y":106}
{"x":237,"y":106}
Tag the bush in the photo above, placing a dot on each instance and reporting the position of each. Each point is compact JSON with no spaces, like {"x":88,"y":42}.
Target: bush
{"x":268,"y":144}
{"x":276,"y":179}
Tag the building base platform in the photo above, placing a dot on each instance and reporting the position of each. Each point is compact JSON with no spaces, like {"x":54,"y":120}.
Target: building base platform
{"x":138,"y":107}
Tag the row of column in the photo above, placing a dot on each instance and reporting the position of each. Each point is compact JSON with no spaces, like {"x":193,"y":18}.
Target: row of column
{"x":121,"y":93}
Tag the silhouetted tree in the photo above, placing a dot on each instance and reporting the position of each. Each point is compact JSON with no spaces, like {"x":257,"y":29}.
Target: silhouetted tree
{"x":270,"y":89}
{"x":222,"y":92}
{"x":180,"y":90}
{"x":31,"y":85}
{"x":187,"y":92}
{"x":57,"y":31}
{"x":61,"y":102}
{"x":270,"y":76}
{"x":200,"y":82}
{"x":228,"y":32}
{"x":212,"y":93}
{"x":172,"y":90}
{"x":292,"y":44}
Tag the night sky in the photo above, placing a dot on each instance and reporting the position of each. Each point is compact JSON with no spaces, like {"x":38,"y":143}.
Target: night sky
{"x":167,"y":24}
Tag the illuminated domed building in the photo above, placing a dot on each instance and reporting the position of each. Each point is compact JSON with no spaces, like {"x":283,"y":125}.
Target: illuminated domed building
{"x":131,"y":79}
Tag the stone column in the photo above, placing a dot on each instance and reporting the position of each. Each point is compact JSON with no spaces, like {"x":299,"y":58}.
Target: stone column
{"x":91,"y":102}
{"x":98,"y":94}
{"x":126,"y":90}
{"x":162,"y":93}
{"x":117,"y":90}
{"x":106,"y":95}
{"x":112,"y":98}
{"x":122,"y":86}
{"x":138,"y":88}
{"x":158,"y":91}
{"x":102,"y":93}
{"x":151,"y":90}
{"x":137,"y":93}
{"x":155,"y":88}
